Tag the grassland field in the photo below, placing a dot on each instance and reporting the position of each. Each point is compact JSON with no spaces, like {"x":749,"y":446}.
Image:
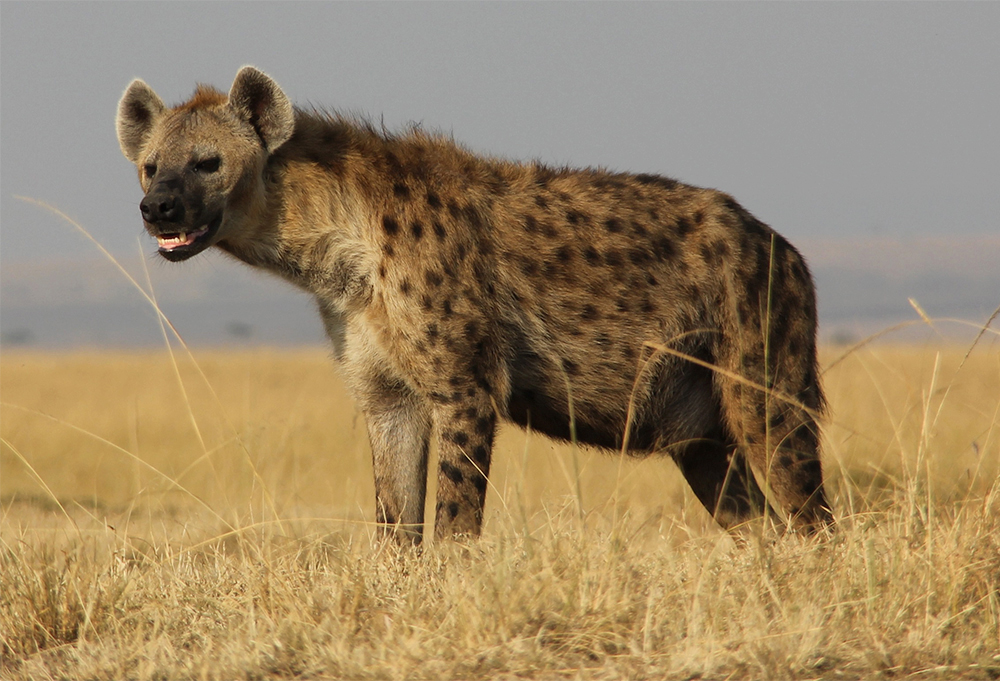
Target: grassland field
{"x":210,"y":515}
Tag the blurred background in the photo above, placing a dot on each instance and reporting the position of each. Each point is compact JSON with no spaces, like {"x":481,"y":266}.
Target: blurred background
{"x":867,"y":134}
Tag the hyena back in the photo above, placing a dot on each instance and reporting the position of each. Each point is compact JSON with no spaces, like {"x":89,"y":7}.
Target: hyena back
{"x":459,"y":290}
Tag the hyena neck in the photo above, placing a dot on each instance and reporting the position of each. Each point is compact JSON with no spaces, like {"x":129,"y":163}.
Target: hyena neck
{"x":320,"y":192}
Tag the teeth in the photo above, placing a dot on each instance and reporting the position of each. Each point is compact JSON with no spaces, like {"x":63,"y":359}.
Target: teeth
{"x":180,"y":239}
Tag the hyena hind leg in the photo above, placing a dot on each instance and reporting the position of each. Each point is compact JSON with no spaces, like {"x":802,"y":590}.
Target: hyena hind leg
{"x":788,"y":456}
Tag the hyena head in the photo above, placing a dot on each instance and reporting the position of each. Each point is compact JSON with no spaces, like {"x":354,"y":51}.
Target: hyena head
{"x":201,"y":164}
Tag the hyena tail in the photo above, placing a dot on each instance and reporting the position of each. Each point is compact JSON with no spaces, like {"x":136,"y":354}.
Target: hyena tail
{"x":769,"y":384}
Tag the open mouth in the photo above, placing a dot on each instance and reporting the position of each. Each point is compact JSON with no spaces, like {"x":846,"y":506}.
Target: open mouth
{"x":182,"y":245}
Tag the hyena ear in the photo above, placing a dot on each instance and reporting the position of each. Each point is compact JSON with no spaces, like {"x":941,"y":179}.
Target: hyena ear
{"x":257,"y":99}
{"x":138,"y":110}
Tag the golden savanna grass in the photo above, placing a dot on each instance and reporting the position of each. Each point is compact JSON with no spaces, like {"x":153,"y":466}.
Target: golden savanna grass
{"x":211,"y":517}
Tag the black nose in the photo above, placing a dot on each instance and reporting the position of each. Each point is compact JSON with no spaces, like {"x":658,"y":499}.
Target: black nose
{"x":161,"y":207}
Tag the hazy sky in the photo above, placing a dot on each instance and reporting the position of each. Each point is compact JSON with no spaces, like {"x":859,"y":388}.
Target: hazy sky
{"x":843,"y":120}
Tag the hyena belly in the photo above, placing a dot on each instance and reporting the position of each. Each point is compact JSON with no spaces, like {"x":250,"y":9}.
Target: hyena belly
{"x":660,"y":401}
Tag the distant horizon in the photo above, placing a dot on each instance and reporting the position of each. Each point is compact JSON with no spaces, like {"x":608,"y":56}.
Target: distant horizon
{"x":74,"y":301}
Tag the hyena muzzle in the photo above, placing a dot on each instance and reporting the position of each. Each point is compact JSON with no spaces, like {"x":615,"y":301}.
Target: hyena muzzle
{"x":632,"y":312}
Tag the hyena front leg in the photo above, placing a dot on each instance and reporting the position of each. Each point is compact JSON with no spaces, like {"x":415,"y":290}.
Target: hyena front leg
{"x":466,"y":423}
{"x":399,"y":427}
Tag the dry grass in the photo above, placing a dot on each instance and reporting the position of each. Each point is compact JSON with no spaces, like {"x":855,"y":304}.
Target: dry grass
{"x":158,"y":523}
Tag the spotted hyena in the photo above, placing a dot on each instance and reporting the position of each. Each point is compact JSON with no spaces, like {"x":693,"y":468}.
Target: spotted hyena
{"x":631,"y":312}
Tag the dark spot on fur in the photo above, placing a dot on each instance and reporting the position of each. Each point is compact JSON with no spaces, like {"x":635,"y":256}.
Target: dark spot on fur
{"x":474,"y":218}
{"x":480,"y":456}
{"x":648,"y":307}
{"x":417,"y":230}
{"x":663,"y":248}
{"x":638,"y":229}
{"x":530,"y":224}
{"x":404,"y":287}
{"x":390,"y":225}
{"x":484,"y":424}
{"x":453,"y":510}
{"x":460,"y":438}
{"x":529,"y":267}
{"x":684,"y":226}
{"x":454,"y":208}
{"x":612,"y":225}
{"x":472,"y":329}
{"x":400,"y":190}
{"x":571,"y":367}
{"x":433,"y":278}
{"x":622,"y":305}
{"x":591,"y":255}
{"x":575,"y":217}
{"x":650,"y":279}
{"x":637,"y":256}
{"x":452,"y":473}
{"x":439,"y":231}
{"x":613,"y":258}
{"x":589,"y":313}
{"x":393,"y":162}
{"x":432,"y":331}
{"x":564,"y":254}
{"x":389,"y":250}
{"x":446,"y":307}
{"x":812,"y":466}
{"x":541,"y":202}
{"x":549,"y":231}
{"x":433,"y":200}
{"x":381,"y":270}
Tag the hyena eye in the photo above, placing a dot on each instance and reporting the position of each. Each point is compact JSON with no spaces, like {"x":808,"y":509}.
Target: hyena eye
{"x":149,"y":169}
{"x":208,"y":165}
